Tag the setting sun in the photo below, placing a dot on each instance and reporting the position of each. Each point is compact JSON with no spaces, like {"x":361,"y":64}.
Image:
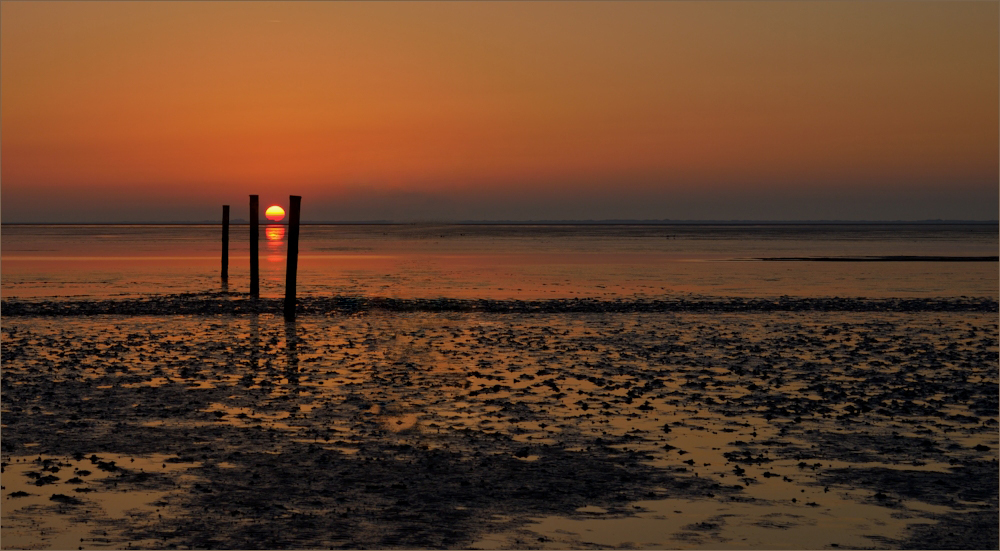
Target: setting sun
{"x":274,"y":213}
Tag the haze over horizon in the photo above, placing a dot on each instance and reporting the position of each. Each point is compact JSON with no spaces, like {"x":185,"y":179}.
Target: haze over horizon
{"x":460,"y":111}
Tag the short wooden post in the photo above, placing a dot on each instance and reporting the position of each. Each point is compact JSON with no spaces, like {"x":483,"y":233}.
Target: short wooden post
{"x":294,"y":202}
{"x":225,"y":243}
{"x":254,"y":237}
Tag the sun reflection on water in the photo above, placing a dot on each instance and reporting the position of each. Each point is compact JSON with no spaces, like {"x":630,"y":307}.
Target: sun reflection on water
{"x":275,"y":234}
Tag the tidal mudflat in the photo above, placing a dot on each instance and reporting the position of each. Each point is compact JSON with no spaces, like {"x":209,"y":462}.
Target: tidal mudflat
{"x":409,"y":425}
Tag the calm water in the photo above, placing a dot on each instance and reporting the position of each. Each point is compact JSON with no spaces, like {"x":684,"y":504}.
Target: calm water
{"x":503,"y":261}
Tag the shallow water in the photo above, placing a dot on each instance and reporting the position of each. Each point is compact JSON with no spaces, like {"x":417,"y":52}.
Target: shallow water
{"x":496,"y":261}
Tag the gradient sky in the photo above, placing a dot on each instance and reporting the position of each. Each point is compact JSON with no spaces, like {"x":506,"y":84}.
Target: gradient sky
{"x":423,"y":111}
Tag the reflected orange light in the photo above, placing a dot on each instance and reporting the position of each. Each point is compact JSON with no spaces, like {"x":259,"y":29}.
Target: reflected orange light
{"x":274,"y":233}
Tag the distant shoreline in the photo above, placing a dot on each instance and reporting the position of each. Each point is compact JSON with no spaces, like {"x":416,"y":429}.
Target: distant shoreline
{"x":899,"y":258}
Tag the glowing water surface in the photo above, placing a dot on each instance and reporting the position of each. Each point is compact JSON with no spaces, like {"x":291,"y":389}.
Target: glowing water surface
{"x":497,"y":261}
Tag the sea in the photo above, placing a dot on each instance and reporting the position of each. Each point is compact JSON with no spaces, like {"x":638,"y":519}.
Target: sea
{"x":548,"y":424}
{"x":508,"y":261}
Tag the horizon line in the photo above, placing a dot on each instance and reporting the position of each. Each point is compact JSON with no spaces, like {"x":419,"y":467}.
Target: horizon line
{"x":609,"y":221}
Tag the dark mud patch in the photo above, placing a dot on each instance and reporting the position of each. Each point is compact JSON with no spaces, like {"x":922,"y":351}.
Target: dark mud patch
{"x":394,"y":497}
{"x":971,"y":530}
{"x":951,"y":488}
{"x":864,"y":445}
{"x":65,"y":499}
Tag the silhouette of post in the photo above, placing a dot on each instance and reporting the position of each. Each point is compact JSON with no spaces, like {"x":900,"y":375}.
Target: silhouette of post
{"x":225,"y":243}
{"x":294,"y":202}
{"x":254,"y":236}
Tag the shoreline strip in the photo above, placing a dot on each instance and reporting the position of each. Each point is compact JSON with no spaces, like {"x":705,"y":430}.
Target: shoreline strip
{"x":220,"y":303}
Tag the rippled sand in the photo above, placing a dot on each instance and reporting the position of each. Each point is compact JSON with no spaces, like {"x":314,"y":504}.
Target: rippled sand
{"x":479,"y":429}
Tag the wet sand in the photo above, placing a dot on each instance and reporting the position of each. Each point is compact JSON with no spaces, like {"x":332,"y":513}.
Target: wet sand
{"x":191,"y":421}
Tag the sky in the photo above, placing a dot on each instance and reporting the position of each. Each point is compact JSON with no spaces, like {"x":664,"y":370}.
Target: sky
{"x":449,"y":111}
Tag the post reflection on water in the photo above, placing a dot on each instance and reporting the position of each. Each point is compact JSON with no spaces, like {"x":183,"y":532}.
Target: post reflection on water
{"x":291,"y":355}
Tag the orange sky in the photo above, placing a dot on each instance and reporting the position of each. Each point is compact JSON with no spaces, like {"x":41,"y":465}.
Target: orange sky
{"x":514,"y":110}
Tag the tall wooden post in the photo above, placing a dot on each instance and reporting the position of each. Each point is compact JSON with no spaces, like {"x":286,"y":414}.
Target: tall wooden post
{"x":225,"y":244}
{"x":254,"y":237}
{"x":294,"y":202}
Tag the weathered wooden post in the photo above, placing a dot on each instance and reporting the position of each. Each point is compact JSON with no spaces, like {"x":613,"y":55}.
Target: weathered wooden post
{"x":294,"y":202}
{"x":254,"y":236}
{"x":225,"y":244}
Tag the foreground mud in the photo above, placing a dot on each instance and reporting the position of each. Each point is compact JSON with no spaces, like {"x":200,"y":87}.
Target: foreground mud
{"x":479,"y":429}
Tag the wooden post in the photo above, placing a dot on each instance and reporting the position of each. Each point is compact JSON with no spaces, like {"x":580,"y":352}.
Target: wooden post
{"x":254,"y":237}
{"x":225,"y":243}
{"x":294,"y":202}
